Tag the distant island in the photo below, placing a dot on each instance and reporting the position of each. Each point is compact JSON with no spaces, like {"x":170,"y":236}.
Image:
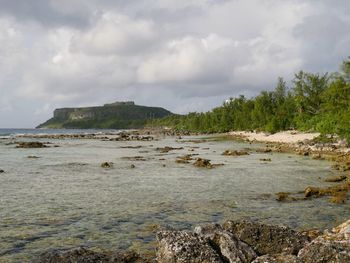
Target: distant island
{"x":117,"y":115}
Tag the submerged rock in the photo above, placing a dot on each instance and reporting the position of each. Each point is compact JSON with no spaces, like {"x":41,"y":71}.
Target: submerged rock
{"x":31,"y":145}
{"x":82,"y":255}
{"x":184,"y":247}
{"x":1,"y":171}
{"x":234,"y":153}
{"x":267,"y":239}
{"x":336,"y":179}
{"x":107,"y":165}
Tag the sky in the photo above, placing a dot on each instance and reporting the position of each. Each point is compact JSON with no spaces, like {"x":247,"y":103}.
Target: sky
{"x":184,"y":55}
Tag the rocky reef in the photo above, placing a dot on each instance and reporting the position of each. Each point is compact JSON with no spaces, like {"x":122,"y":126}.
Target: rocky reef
{"x":232,"y":242}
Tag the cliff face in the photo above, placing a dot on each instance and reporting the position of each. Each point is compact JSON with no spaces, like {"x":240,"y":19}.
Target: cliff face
{"x":118,"y":115}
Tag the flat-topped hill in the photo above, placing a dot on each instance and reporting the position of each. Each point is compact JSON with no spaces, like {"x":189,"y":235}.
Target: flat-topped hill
{"x":117,"y":115}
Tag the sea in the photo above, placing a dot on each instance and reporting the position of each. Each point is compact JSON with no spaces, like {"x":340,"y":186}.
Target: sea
{"x":60,"y":197}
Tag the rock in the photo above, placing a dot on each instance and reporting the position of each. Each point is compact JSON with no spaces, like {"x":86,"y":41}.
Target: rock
{"x":267,"y":239}
{"x":333,"y":246}
{"x":265,"y":159}
{"x":82,"y":255}
{"x":263,"y":150}
{"x":167,"y":149}
{"x":234,"y":153}
{"x":32,"y":157}
{"x":132,"y":166}
{"x":227,"y":244}
{"x":184,"y":247}
{"x":283,"y":196}
{"x":1,"y":171}
{"x":107,"y":165}
{"x":336,"y":179}
{"x":31,"y":145}
{"x":205,"y":163}
{"x":311,"y":191}
{"x":277,"y":258}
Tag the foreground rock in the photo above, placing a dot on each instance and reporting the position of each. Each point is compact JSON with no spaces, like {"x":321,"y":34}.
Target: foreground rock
{"x":82,"y":255}
{"x":232,"y":242}
{"x":231,"y":248}
{"x":333,"y":246}
{"x":278,"y":258}
{"x":268,"y":239}
{"x":184,"y":247}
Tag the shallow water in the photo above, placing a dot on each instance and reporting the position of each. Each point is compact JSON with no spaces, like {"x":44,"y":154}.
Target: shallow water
{"x":65,"y":199}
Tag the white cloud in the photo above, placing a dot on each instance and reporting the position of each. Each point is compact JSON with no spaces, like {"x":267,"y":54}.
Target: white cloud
{"x":182,"y":55}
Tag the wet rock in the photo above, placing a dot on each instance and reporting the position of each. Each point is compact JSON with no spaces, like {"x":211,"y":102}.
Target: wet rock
{"x":182,"y":161}
{"x":1,"y":171}
{"x":228,"y":246}
{"x":132,"y":166}
{"x":234,"y":153}
{"x":184,"y":247}
{"x":282,"y":196}
{"x":333,"y":246}
{"x":134,"y":158}
{"x":167,"y":149}
{"x":32,"y":157}
{"x":107,"y":165}
{"x":263,"y":150}
{"x":277,"y":258}
{"x":267,"y":239}
{"x":336,"y":179}
{"x":82,"y":255}
{"x":204,"y":163}
{"x":31,"y":145}
{"x":265,"y":159}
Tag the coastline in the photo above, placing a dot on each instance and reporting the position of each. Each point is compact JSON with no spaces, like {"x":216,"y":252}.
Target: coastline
{"x":302,"y":146}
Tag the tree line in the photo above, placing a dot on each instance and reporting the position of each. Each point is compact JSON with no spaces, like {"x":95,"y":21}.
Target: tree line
{"x":313,"y":102}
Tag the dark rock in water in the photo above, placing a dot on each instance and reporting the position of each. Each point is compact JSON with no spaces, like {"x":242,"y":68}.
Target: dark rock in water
{"x":336,"y":179}
{"x":205,"y":163}
{"x":107,"y":165}
{"x":277,"y":258}
{"x":1,"y":171}
{"x":184,"y":247}
{"x":267,"y":239}
{"x":235,"y":153}
{"x":228,"y":246}
{"x":82,"y":255}
{"x":31,"y":145}
{"x":132,"y":166}
{"x":333,"y":246}
{"x":32,"y":157}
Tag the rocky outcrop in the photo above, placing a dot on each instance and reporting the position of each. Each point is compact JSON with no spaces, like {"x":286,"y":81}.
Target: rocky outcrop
{"x":267,"y":239}
{"x":333,"y":246}
{"x":229,"y":247}
{"x":232,"y":242}
{"x":184,"y":247}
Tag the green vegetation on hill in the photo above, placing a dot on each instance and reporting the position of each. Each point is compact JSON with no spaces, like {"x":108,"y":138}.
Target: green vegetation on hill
{"x":118,"y":115}
{"x":314,"y":102}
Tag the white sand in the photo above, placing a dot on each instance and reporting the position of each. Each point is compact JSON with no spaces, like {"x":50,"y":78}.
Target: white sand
{"x":282,"y":137}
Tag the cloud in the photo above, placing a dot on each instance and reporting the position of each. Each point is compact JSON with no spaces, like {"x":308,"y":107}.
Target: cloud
{"x":183,"y":55}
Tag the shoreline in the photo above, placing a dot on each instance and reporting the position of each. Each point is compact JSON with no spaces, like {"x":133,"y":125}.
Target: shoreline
{"x":233,"y":241}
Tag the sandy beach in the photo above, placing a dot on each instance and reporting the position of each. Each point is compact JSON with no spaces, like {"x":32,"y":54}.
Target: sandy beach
{"x":279,"y":137}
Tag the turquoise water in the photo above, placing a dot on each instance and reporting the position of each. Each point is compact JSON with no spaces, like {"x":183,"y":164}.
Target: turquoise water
{"x":64,"y":199}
